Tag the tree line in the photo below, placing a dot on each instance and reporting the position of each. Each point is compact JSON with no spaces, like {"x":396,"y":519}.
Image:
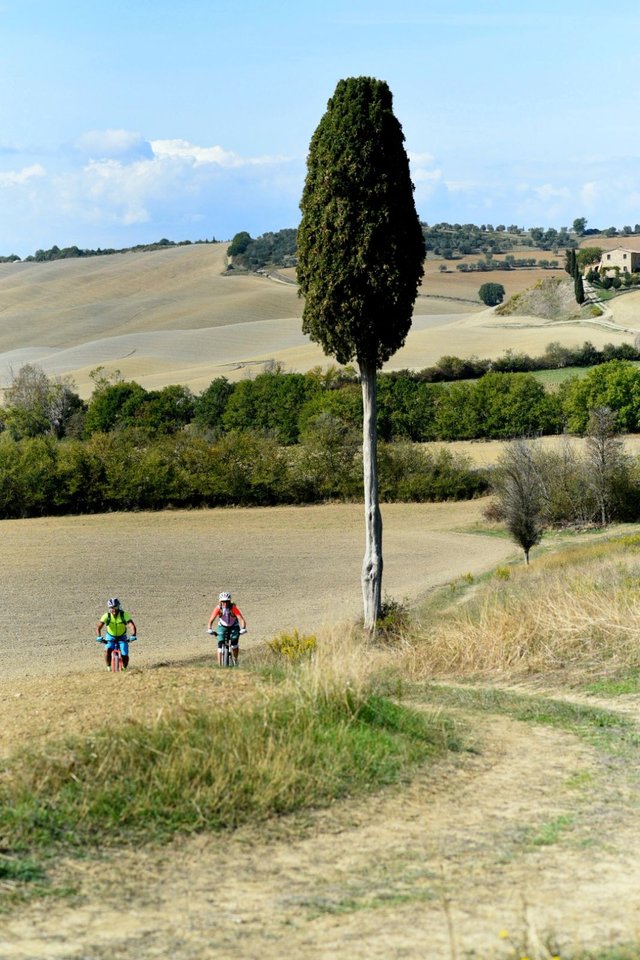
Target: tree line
{"x":74,"y":252}
{"x":454,"y":400}
{"x":123,"y":470}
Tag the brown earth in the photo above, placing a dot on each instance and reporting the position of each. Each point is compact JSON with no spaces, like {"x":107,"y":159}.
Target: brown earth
{"x":529,"y":832}
{"x":286,"y":566}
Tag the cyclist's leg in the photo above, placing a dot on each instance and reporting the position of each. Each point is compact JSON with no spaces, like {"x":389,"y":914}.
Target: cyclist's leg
{"x":124,"y":650}
{"x":234,"y":643}
{"x":221,"y":632}
{"x":109,"y":646}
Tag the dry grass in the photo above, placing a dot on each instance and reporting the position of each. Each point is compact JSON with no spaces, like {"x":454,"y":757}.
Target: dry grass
{"x":487,"y":452}
{"x":576,"y":611}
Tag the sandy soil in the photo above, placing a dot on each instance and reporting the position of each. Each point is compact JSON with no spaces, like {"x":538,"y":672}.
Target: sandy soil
{"x":171,"y":316}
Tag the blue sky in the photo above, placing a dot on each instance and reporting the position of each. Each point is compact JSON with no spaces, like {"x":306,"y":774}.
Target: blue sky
{"x":124,"y":122}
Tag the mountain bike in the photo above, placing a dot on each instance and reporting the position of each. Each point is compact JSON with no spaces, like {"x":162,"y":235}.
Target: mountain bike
{"x":115,"y":661}
{"x":226,"y":657}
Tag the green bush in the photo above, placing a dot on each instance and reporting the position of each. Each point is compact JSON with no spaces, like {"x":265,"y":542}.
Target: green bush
{"x":491,"y":293}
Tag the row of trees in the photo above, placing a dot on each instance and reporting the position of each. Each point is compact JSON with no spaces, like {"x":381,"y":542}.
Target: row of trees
{"x":123,"y":471}
{"x":450,"y":241}
{"x":286,"y":406}
{"x":509,"y":263}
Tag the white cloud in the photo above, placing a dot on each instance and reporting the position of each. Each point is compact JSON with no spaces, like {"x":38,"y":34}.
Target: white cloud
{"x":17,"y":178}
{"x":201,"y":156}
{"x":178,"y":183}
{"x":424,"y":168}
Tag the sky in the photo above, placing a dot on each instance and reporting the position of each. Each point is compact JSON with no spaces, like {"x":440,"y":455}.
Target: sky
{"x":126,"y":121}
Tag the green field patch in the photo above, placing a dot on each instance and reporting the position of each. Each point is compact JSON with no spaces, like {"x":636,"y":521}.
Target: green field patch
{"x":202,"y":769}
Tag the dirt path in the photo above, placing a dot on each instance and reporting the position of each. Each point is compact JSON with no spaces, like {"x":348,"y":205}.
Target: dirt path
{"x":505,"y":839}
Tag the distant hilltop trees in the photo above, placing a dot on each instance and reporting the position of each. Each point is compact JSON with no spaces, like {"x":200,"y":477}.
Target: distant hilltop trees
{"x":451,"y":241}
{"x":70,"y":253}
{"x":271,"y":249}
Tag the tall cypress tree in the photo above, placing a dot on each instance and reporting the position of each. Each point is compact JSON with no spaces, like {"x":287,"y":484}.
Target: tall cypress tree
{"x":570,"y":262}
{"x":360,"y":260}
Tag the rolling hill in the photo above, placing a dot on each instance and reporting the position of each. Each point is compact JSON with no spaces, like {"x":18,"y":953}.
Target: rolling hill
{"x":175,"y":316}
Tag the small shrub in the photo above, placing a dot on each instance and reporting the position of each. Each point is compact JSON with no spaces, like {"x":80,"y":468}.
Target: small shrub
{"x":493,"y":512}
{"x":631,"y":541}
{"x":293,"y":646}
{"x":502,"y":573}
{"x":394,"y":620}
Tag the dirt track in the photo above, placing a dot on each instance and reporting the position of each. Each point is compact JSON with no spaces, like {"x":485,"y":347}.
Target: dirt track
{"x":505,"y":840}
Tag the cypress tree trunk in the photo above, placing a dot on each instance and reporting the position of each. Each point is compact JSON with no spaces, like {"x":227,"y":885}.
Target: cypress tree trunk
{"x":372,"y":563}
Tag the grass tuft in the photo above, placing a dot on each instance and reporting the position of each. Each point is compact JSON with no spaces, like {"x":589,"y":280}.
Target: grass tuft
{"x":319,"y":735}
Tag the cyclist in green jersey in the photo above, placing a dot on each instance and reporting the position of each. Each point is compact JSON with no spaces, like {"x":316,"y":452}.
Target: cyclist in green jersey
{"x":116,"y":620}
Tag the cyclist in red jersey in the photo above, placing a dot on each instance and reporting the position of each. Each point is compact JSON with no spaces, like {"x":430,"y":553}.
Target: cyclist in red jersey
{"x":231,"y":624}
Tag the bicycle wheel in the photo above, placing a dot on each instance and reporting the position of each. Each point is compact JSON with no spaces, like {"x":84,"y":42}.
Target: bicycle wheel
{"x":226,"y":656}
{"x":116,"y":661}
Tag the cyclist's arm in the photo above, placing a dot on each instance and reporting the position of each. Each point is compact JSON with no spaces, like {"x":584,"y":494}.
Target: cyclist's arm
{"x":214,"y":613}
{"x":99,"y":627}
{"x":133,"y":627}
{"x":241,"y":620}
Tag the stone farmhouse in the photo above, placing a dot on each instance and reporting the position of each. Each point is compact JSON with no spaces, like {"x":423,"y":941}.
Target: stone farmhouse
{"x":622,"y":258}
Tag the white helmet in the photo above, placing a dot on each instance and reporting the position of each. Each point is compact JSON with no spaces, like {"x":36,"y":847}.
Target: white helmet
{"x":114,"y":603}
{"x":224,"y":596}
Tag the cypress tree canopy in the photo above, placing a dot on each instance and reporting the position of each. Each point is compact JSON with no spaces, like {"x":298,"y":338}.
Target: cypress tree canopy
{"x":360,"y":242}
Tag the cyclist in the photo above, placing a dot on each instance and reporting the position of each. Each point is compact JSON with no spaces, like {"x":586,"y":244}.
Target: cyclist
{"x":116,"y":621}
{"x":231,"y":624}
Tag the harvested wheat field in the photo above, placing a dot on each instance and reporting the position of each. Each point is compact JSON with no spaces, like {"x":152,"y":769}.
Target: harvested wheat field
{"x":486,"y":453}
{"x":174,"y":316}
{"x":286,"y":566}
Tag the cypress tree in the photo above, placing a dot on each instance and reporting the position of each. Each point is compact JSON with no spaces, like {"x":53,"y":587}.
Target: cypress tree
{"x":360,"y":260}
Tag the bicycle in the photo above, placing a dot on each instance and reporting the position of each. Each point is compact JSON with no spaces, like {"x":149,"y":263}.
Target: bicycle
{"x":226,"y":657}
{"x":115,"y":661}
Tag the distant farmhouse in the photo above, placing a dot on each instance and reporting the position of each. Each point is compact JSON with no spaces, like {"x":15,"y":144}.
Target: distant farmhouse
{"x":619,"y":260}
